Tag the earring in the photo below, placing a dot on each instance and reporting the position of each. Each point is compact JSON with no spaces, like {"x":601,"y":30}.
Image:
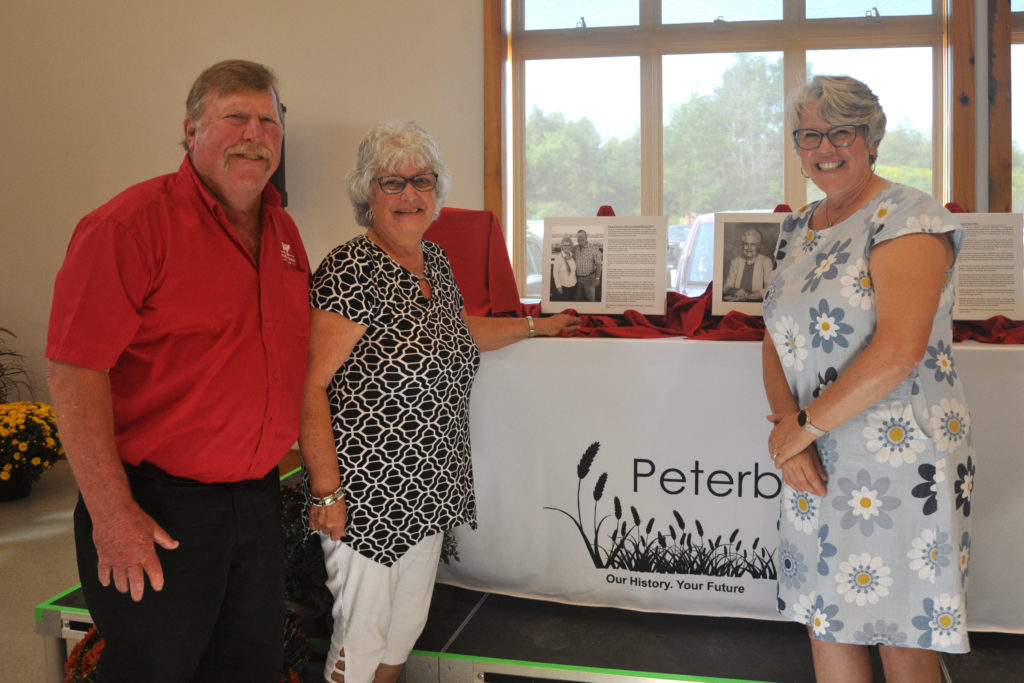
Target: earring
{"x":369,"y":216}
{"x":804,"y":173}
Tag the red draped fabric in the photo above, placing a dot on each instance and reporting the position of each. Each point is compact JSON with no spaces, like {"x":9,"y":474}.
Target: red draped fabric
{"x":475,"y":246}
{"x":691,"y":317}
{"x":685,"y":316}
{"x":996,"y":330}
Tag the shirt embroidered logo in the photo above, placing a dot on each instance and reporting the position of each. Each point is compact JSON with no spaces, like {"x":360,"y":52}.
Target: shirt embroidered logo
{"x":287,"y":256}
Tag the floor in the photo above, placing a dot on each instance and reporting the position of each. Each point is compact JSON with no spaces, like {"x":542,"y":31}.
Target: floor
{"x":37,"y":562}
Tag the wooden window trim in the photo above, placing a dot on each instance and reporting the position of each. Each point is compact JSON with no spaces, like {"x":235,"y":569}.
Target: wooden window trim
{"x":1000,"y":133}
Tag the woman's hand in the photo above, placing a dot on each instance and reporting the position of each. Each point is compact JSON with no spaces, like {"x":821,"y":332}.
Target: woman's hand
{"x":804,"y":472}
{"x":494,"y":333}
{"x":330,"y":520}
{"x":553,"y":325}
{"x":794,"y":453}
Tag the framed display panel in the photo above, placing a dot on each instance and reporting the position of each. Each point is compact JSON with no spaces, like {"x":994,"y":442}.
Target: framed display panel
{"x":604,"y":265}
{"x":989,"y":273}
{"x":744,"y":258}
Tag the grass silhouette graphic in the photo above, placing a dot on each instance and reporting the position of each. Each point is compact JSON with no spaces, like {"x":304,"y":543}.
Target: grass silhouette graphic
{"x":632,"y":544}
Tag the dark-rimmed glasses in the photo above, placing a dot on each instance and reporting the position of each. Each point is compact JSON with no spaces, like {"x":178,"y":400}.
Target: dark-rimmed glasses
{"x":839,"y":136}
{"x":394,"y":184}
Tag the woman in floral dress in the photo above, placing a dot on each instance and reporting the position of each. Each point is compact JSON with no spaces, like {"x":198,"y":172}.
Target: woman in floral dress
{"x":871,"y":430}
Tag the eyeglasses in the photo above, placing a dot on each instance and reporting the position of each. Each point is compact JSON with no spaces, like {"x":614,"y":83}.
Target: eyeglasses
{"x":394,"y":184}
{"x":840,"y":136}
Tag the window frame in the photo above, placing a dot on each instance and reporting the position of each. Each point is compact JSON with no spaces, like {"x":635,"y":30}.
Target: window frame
{"x":507,"y":47}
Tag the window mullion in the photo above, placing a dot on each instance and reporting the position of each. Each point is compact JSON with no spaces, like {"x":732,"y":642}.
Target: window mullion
{"x":651,"y":125}
{"x":517,"y":201}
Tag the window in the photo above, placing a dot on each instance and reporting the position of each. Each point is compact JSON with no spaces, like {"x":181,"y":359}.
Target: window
{"x":722,"y":140}
{"x":1017,"y":127}
{"x":689,"y":12}
{"x":906,"y":153}
{"x":580,"y":152}
{"x":675,"y":107}
{"x":1017,"y":109}
{"x":822,"y":9}
{"x":539,"y":15}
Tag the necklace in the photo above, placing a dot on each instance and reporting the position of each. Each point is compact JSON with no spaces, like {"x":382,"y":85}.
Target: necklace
{"x":828,"y":221}
{"x":422,"y":277}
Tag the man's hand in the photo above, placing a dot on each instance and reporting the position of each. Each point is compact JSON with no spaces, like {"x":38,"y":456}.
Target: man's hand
{"x":124,"y":546}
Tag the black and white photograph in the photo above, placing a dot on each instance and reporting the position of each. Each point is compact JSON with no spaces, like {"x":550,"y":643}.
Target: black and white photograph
{"x":604,"y":264}
{"x":577,"y":263}
{"x":744,"y":258}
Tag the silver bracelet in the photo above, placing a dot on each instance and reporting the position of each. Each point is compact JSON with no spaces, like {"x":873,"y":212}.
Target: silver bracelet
{"x":328,"y":500}
{"x":533,"y":330}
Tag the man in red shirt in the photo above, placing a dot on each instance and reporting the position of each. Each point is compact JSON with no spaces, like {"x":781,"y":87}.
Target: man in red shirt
{"x":177,"y":346}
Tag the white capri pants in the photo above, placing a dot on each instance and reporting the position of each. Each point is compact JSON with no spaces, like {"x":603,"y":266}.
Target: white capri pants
{"x":378,"y":611}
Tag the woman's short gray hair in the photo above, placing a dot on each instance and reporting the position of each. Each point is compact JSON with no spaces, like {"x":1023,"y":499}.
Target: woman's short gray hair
{"x":386,"y":148}
{"x":842,"y":101}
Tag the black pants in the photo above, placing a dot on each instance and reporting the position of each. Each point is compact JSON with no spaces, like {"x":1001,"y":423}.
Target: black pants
{"x":220,"y":615}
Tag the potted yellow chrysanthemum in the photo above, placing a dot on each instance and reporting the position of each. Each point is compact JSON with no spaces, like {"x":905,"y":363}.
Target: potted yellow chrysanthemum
{"x":29,"y":445}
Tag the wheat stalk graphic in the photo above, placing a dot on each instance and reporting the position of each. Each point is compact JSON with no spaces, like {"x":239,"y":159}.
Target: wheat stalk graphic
{"x":635,"y":545}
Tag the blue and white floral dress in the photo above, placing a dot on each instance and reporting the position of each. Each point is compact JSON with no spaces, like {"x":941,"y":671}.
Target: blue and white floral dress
{"x":882,"y":558}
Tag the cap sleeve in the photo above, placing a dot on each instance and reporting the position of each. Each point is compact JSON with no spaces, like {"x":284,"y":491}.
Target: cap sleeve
{"x":344,"y":284}
{"x":907,"y":211}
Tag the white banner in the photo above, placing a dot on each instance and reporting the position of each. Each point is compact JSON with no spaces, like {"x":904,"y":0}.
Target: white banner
{"x":634,"y":473}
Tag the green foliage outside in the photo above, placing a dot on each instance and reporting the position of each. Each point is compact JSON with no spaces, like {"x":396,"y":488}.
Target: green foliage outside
{"x":1017,"y":176}
{"x":722,"y":152}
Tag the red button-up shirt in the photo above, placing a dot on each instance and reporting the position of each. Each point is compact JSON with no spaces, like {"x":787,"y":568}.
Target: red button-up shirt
{"x":206,"y":349}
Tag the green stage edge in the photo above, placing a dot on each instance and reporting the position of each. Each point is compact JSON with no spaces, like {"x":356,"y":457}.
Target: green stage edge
{"x":583,"y":669}
{"x":49,"y":603}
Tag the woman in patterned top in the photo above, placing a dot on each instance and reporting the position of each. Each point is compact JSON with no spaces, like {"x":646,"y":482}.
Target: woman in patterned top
{"x":385,"y":416}
{"x":871,"y":430}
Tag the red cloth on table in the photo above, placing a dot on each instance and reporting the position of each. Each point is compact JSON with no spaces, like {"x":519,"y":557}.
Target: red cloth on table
{"x":996,"y":330}
{"x":691,"y":317}
{"x":685,"y":316}
{"x":476,"y":248}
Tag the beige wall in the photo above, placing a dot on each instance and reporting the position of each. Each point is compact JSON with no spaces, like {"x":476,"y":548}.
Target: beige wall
{"x":94,"y":101}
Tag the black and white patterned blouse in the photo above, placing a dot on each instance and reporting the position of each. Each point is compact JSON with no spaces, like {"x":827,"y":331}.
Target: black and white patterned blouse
{"x":400,"y":402}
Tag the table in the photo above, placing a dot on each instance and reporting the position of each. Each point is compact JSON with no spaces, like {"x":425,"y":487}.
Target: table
{"x":681,"y":463}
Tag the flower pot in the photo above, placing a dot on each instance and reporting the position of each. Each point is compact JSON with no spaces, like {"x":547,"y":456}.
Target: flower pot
{"x":15,"y":488}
